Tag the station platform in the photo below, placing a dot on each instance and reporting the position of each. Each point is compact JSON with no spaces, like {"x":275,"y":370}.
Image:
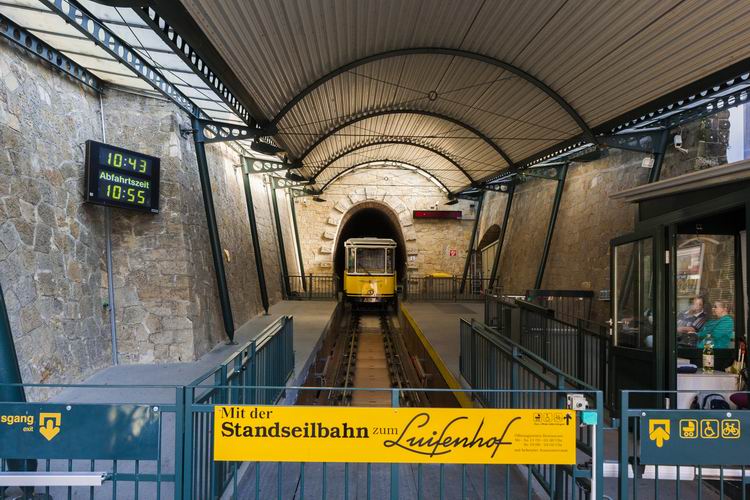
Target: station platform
{"x":439,"y":321}
{"x":310,"y":320}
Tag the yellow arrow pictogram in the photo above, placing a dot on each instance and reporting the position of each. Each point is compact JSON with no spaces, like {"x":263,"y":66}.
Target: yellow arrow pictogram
{"x":658,"y":430}
{"x":49,"y":425}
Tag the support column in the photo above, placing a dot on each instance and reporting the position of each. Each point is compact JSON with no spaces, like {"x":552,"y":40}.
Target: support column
{"x":551,"y":227}
{"x":280,"y":237}
{"x":471,"y":244}
{"x":501,"y":238}
{"x":296,"y":239}
{"x":213,"y":230}
{"x":256,"y":240}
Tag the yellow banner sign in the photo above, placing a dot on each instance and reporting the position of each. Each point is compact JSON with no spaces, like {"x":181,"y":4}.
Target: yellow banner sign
{"x":394,"y":435}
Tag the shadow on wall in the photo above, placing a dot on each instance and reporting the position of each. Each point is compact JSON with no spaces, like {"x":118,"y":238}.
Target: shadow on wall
{"x":370,"y":220}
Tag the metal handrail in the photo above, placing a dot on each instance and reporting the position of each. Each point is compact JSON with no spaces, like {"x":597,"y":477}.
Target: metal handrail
{"x":523,"y":353}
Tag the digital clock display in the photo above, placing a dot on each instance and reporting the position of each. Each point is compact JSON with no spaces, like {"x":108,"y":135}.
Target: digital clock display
{"x":121,"y":178}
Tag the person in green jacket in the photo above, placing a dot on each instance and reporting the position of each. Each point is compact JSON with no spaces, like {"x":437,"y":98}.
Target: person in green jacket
{"x":721,"y":328}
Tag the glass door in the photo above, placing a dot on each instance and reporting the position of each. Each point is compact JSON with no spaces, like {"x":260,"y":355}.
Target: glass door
{"x":637,"y":336}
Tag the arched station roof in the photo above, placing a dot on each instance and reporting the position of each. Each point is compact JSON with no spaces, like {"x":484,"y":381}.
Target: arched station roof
{"x":518,"y":77}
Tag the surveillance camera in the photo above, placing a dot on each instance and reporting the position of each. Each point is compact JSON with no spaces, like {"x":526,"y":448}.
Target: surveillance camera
{"x":678,"y":140}
{"x":577,"y":402}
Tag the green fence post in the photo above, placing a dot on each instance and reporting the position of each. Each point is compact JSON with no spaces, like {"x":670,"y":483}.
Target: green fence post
{"x":394,"y":467}
{"x":599,"y":448}
{"x":624,"y":452}
{"x":187,"y":455}
{"x":515,"y":355}
{"x":580,"y":361}
{"x":179,"y":444}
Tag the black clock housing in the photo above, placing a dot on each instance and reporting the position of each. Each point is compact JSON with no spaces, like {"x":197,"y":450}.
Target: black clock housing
{"x":118,"y":177}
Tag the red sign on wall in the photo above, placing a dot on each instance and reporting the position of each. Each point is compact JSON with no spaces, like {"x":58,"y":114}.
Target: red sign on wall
{"x":453,"y":252}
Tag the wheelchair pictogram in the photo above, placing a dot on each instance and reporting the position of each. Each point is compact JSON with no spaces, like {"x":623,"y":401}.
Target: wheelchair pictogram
{"x":710,"y":429}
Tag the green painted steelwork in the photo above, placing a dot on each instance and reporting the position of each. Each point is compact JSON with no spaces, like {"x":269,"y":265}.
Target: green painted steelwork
{"x":213,"y":232}
{"x":257,"y":250}
{"x":563,"y":173}
{"x":470,"y":250}
{"x":10,"y":372}
{"x":501,"y":238}
{"x":282,"y":249}
{"x":296,"y":239}
{"x":707,"y":467}
{"x":507,"y":375}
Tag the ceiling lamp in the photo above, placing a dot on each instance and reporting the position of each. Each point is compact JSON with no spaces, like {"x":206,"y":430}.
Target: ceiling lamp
{"x":265,"y":148}
{"x":294,"y":177}
{"x":452,"y":200}
{"x":318,"y":198}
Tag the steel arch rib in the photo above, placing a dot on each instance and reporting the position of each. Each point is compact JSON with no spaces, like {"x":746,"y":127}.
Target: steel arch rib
{"x":353,"y":149}
{"x":587,"y":132}
{"x":349,"y":169}
{"x":432,"y":114}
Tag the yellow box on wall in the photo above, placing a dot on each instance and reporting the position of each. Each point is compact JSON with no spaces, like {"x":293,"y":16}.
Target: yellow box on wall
{"x":394,"y":435}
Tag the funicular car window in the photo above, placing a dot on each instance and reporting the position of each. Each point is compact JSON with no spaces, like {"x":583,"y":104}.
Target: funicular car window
{"x":370,"y":260}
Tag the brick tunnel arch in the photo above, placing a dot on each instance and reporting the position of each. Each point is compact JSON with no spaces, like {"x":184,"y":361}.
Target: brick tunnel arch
{"x":370,"y":219}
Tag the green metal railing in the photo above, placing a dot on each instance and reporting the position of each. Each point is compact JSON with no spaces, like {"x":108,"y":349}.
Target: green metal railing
{"x":313,"y":287}
{"x":447,"y":289}
{"x":132,"y":479}
{"x":636,"y":479}
{"x":580,"y":348}
{"x":255,"y":374}
{"x":307,"y":480}
{"x":489,"y":362}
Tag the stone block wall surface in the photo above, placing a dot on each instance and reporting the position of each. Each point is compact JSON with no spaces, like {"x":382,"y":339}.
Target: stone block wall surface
{"x":52,"y":245}
{"x":267,"y":232}
{"x":588,"y":219}
{"x":527,"y":227}
{"x":287,"y":229}
{"x":428,"y":242}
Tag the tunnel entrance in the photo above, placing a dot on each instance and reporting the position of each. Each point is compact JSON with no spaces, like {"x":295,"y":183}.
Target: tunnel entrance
{"x":372,"y":220}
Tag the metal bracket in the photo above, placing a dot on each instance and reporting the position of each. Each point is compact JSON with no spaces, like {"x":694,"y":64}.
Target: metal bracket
{"x":96,"y":31}
{"x":215,"y":131}
{"x":642,"y":141}
{"x":258,"y":166}
{"x":28,"y":41}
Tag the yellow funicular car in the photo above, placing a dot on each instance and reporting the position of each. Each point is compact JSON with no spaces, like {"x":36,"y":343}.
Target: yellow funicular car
{"x":370,"y":274}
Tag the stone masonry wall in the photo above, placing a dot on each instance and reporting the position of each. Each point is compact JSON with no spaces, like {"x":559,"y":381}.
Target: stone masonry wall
{"x":586,"y":222}
{"x":524,"y":238}
{"x":428,"y":242}
{"x":51,"y":245}
{"x":52,"y":255}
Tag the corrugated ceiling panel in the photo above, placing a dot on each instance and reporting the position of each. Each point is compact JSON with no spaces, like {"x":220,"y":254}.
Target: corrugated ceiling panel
{"x":298,"y":41}
{"x":436,"y":165}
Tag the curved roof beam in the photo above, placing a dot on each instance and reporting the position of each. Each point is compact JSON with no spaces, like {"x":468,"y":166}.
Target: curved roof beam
{"x":587,"y":132}
{"x":350,"y":150}
{"x":432,"y":114}
{"x":373,"y":162}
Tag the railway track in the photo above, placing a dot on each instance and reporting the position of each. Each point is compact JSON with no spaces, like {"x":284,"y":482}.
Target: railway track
{"x":371,"y":355}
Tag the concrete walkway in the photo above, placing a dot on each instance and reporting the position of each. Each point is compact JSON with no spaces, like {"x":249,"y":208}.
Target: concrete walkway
{"x":439,"y":321}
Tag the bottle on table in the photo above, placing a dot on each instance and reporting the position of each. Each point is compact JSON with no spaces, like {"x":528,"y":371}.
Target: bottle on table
{"x":708,"y":354}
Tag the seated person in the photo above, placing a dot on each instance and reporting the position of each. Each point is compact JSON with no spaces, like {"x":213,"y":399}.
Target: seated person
{"x":721,"y":329}
{"x":693,"y":319}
